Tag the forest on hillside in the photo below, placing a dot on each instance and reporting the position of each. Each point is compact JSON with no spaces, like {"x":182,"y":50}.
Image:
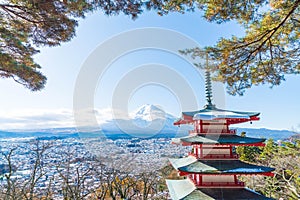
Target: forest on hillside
{"x":285,"y":157}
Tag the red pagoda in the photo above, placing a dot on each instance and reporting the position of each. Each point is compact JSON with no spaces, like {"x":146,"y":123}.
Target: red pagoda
{"x":212,"y":167}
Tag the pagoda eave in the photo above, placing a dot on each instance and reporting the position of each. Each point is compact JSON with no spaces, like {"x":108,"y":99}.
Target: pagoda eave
{"x":195,"y":166}
{"x":258,"y":144}
{"x":222,"y":140}
{"x":229,"y":121}
{"x":182,"y":122}
{"x":184,"y":173}
{"x":186,"y":190}
{"x":224,"y":194}
{"x":238,"y":121}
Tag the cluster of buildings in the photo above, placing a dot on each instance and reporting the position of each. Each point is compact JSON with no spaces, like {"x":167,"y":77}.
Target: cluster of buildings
{"x":62,"y":158}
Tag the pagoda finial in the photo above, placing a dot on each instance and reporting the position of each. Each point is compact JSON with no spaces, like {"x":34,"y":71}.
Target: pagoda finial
{"x":208,"y":90}
{"x":208,"y":86}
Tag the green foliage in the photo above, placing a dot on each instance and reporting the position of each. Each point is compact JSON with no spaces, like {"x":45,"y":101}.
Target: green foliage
{"x":28,"y":23}
{"x":269,"y":150}
{"x":248,"y":153}
{"x":265,"y":54}
{"x":268,"y":50}
{"x":285,"y":158}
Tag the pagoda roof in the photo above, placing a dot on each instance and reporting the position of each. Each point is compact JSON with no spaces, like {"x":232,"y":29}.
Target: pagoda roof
{"x":224,"y":194}
{"x":212,"y":112}
{"x":222,"y":139}
{"x":223,"y":167}
{"x":181,"y":162}
{"x":179,"y":189}
{"x":186,"y":190}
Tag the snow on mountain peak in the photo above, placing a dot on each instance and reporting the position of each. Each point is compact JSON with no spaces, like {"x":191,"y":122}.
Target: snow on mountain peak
{"x":148,"y":108}
{"x":148,"y":112}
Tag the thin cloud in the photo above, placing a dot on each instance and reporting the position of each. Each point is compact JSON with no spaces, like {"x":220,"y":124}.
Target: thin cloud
{"x":54,"y":118}
{"x":36,"y":118}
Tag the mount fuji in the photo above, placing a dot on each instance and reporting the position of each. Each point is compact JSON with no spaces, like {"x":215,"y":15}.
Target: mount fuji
{"x":146,"y":114}
{"x":148,"y":119}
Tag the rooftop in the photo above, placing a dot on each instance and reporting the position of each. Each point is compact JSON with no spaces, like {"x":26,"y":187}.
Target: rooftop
{"x":218,"y":139}
{"x":224,"y":194}
{"x":186,"y":190}
{"x":218,"y":166}
{"x":213,"y":113}
{"x":210,"y":113}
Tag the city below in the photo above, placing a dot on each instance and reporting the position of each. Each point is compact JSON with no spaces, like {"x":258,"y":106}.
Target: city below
{"x":63,"y":152}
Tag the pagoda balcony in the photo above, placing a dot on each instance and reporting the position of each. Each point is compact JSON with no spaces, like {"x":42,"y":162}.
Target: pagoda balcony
{"x":213,"y":131}
{"x":216,"y":156}
{"x":219,"y":156}
{"x":202,"y":184}
{"x":221,"y":184}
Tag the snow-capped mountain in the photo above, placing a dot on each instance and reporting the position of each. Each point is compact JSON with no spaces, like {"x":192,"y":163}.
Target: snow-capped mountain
{"x":149,"y":119}
{"x":146,"y":114}
{"x":149,"y":112}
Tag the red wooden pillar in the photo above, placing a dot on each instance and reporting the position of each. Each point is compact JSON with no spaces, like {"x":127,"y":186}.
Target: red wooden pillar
{"x":201,"y":180}
{"x":231,"y":153}
{"x":235,"y":180}
{"x":227,"y":126}
{"x":201,"y":150}
{"x":201,"y":126}
{"x":196,"y":150}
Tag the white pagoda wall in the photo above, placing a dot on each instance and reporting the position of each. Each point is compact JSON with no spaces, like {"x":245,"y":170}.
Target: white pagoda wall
{"x":218,"y":178}
{"x":216,"y":151}
{"x":214,"y":127}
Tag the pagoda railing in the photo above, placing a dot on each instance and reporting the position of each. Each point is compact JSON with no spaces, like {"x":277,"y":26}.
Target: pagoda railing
{"x":216,"y":156}
{"x":216,"y":184}
{"x":213,"y":131}
{"x":221,"y":184}
{"x":220,"y":156}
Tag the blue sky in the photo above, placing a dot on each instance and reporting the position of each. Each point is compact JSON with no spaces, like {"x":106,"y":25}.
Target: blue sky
{"x":53,"y":107}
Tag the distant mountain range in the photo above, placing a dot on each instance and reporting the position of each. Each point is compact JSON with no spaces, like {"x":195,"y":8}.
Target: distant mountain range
{"x":267,"y":133}
{"x":147,"y":121}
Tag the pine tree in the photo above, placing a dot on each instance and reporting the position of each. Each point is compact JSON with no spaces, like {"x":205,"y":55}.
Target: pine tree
{"x":265,"y":54}
{"x":247,"y":153}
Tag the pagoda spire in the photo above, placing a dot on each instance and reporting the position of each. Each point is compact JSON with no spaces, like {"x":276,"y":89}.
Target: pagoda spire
{"x":208,"y":87}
